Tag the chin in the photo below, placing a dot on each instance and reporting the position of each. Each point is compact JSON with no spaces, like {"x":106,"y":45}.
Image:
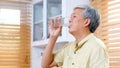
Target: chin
{"x":71,"y":32}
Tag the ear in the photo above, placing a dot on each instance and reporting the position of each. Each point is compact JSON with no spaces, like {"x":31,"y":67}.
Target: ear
{"x":87,"y":22}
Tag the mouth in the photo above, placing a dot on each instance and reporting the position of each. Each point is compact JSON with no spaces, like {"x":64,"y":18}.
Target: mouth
{"x":69,"y":26}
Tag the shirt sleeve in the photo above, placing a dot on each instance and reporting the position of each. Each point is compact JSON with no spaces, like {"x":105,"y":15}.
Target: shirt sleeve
{"x":99,"y":58}
{"x":59,"y":56}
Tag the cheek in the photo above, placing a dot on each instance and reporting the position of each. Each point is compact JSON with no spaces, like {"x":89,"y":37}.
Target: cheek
{"x":73,"y":28}
{"x":75,"y":25}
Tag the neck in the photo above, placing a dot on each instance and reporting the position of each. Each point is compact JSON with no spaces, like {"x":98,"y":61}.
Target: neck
{"x":81,"y":36}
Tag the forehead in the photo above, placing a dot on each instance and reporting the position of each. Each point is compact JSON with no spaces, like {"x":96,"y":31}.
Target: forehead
{"x":78,"y":10}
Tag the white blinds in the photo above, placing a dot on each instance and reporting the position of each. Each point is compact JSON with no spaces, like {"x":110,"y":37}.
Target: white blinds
{"x":109,"y":30}
{"x":15,"y":38}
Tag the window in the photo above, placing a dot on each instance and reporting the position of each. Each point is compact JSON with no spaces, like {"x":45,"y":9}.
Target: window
{"x":54,"y":7}
{"x":13,"y":16}
{"x":109,"y":30}
{"x":38,"y":21}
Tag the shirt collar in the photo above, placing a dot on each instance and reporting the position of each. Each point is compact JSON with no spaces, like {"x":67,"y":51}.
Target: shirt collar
{"x":84,"y":40}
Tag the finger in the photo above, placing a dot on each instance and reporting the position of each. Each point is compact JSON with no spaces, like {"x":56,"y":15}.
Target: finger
{"x":55,"y":21}
{"x":60,"y":20}
{"x":50,"y":22}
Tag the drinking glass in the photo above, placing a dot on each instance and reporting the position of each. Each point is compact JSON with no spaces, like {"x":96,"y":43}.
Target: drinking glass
{"x":60,"y":20}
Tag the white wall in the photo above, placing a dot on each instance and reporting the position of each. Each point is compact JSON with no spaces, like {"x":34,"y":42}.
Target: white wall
{"x":36,"y":57}
{"x":72,"y":3}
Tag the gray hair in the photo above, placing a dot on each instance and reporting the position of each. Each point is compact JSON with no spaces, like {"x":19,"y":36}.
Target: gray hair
{"x":93,"y":15}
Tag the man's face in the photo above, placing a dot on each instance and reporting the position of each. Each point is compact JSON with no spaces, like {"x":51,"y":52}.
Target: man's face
{"x":76,"y":21}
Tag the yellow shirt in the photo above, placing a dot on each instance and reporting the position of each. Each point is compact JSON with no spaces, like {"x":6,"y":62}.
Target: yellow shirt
{"x":91,"y":54}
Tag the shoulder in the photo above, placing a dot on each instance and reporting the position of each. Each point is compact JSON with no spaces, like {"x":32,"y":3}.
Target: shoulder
{"x":96,"y":43}
{"x":97,"y":47}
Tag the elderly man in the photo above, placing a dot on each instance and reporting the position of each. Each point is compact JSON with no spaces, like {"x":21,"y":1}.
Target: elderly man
{"x":86,"y":51}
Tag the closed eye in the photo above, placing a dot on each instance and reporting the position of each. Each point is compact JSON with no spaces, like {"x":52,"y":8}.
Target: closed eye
{"x":74,"y":16}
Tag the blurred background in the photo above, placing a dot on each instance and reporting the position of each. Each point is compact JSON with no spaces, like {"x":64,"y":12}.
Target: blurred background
{"x":24,"y":29}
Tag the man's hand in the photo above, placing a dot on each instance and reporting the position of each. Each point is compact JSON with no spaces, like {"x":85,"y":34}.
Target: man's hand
{"x":55,"y":27}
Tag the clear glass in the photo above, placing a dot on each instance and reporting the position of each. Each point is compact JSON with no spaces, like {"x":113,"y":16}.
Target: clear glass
{"x":65,"y":21}
{"x":38,"y":21}
{"x":60,"y":20}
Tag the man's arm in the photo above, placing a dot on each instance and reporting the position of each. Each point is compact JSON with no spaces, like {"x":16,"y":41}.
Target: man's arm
{"x":48,"y":58}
